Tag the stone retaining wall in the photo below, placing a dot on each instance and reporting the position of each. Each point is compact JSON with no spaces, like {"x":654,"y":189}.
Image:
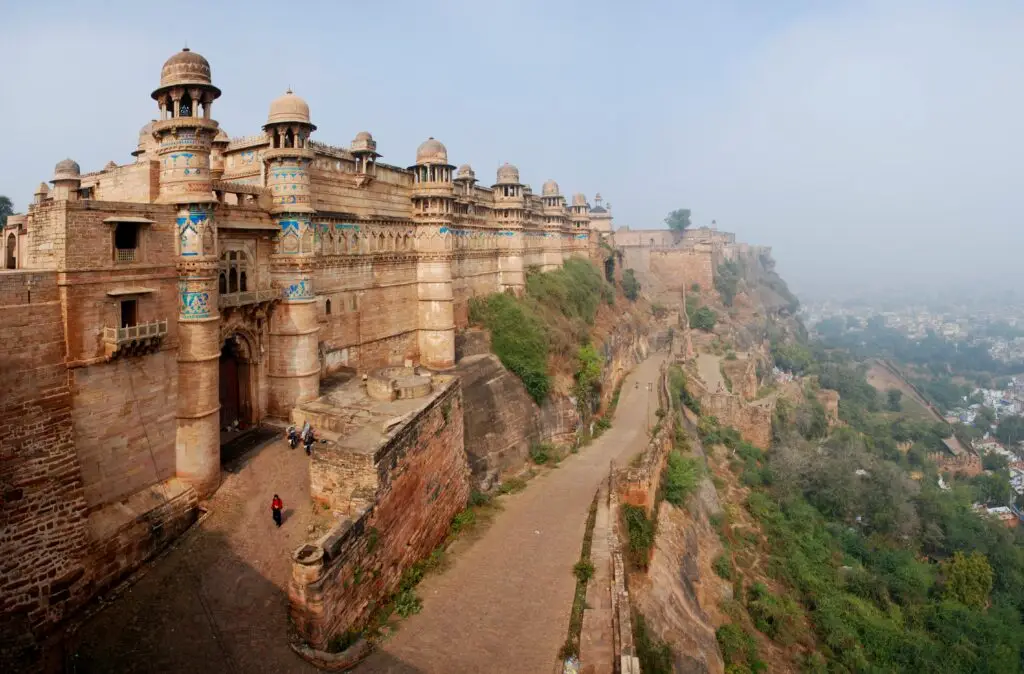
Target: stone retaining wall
{"x":423,"y":482}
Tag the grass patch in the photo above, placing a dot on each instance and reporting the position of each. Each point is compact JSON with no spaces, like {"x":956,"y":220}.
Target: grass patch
{"x":739,"y":649}
{"x":512,"y":485}
{"x":583,"y":570}
{"x":541,"y":453}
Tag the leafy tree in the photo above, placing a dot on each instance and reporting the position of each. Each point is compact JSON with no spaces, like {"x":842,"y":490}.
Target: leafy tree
{"x":992,"y":489}
{"x":678,"y":220}
{"x":1010,"y":430}
{"x":792,"y":357}
{"x":968,"y":579}
{"x":993,"y":461}
{"x":727,"y":280}
{"x":6,"y":208}
{"x":679,"y":478}
{"x":894,"y":398}
{"x":704,"y":319}
{"x":630,"y":286}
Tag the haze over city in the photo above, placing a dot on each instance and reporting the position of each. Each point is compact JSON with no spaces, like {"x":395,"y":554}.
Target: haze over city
{"x":867,"y":142}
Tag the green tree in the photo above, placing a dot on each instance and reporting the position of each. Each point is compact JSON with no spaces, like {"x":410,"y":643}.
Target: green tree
{"x":894,"y":398}
{"x":993,"y":461}
{"x":630,"y":286}
{"x":6,"y":208}
{"x":704,"y":319}
{"x":678,"y":220}
{"x":1010,"y":430}
{"x":968,"y":579}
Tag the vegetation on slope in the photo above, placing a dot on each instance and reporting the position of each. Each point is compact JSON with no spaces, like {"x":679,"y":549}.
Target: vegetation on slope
{"x":554,"y":317}
{"x":875,"y":571}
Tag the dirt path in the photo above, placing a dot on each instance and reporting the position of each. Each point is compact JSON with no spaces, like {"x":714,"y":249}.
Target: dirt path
{"x":218,"y":602}
{"x":709,"y":367}
{"x":504,"y":604}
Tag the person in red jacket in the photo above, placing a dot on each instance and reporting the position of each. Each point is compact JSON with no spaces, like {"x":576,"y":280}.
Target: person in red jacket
{"x":275,"y":506}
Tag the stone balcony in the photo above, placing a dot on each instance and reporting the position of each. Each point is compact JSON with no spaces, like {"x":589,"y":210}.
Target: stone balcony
{"x":133,"y":340}
{"x":229,"y":300}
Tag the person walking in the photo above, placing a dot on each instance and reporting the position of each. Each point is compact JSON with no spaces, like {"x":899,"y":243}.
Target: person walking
{"x":275,"y":506}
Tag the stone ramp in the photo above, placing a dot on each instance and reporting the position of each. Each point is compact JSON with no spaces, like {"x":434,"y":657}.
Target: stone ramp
{"x":504,"y":604}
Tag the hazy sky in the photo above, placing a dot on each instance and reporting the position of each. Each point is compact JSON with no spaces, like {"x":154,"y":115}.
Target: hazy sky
{"x":866,"y":142}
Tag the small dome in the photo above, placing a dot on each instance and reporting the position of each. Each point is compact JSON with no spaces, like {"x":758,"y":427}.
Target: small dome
{"x":508,"y":173}
{"x":465,"y":171}
{"x":550,"y":189}
{"x":432,"y":151}
{"x":67,"y":169}
{"x":222,"y":137}
{"x":288,"y":108}
{"x":185,"y":67}
{"x":42,"y":189}
{"x":579,"y":200}
{"x":364,"y":142}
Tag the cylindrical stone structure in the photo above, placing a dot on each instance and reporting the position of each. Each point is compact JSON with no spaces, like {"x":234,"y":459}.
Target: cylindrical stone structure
{"x":197,"y":444}
{"x":294,"y":367}
{"x":183,"y":137}
{"x":436,"y":312}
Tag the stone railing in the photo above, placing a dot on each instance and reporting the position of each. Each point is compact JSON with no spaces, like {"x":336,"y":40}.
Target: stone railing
{"x":226,"y":300}
{"x":134,"y":340}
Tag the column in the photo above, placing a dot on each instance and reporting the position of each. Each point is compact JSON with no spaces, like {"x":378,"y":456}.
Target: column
{"x":197,"y":441}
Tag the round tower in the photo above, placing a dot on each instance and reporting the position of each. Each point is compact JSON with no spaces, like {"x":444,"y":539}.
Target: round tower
{"x":579,"y":216}
{"x":182,"y":139}
{"x":433,"y":199}
{"x":509,"y":211}
{"x":556,"y":230}
{"x":67,"y":178}
{"x":294,"y":368}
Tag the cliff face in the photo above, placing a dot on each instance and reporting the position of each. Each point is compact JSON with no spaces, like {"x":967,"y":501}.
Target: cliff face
{"x":502,"y":421}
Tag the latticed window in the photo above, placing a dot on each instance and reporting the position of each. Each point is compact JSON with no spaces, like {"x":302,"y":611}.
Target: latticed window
{"x":234,"y":272}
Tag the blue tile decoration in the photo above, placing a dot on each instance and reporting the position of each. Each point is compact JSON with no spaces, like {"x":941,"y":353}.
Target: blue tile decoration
{"x":195,"y":304}
{"x":300,"y":290}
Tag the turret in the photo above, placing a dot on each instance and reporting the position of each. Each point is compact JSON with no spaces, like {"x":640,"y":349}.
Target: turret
{"x":294,"y":331}
{"x":67,"y":179}
{"x":433,"y":207}
{"x":364,"y":149}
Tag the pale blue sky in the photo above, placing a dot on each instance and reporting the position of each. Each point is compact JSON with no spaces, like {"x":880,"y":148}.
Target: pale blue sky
{"x":872,"y":140}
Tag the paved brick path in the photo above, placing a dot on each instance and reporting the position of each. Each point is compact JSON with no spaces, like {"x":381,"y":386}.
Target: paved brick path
{"x":503,"y":606}
{"x":217,"y":603}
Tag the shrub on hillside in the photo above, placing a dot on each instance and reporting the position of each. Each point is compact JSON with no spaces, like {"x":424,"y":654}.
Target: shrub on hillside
{"x":518,"y":338}
{"x":679,"y":479}
{"x":630,"y":286}
{"x":704,"y":319}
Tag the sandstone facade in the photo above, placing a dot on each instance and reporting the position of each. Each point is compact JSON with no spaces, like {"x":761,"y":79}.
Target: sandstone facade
{"x":207,"y":285}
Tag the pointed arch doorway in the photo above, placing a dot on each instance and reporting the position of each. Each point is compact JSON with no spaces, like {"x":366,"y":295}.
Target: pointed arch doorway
{"x":237,"y":385}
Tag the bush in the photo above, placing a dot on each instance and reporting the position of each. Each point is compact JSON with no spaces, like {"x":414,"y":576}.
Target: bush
{"x":540,"y":453}
{"x":723,"y":566}
{"x":778,"y":617}
{"x":641,"y":531}
{"x":583,"y":571}
{"x":727,"y":280}
{"x":704,"y":319}
{"x":518,"y":338}
{"x":630,"y":286}
{"x":738,"y":647}
{"x":407,"y":603}
{"x":679,"y":478}
{"x":655,"y":655}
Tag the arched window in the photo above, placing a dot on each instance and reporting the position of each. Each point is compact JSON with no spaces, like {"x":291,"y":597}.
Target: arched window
{"x":289,"y":138}
{"x":222,"y":285}
{"x":185,"y":106}
{"x":327,"y":307}
{"x":234,"y":271}
{"x":12,"y":247}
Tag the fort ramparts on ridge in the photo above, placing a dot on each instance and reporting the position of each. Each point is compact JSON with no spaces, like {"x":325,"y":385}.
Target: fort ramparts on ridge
{"x":151,"y":311}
